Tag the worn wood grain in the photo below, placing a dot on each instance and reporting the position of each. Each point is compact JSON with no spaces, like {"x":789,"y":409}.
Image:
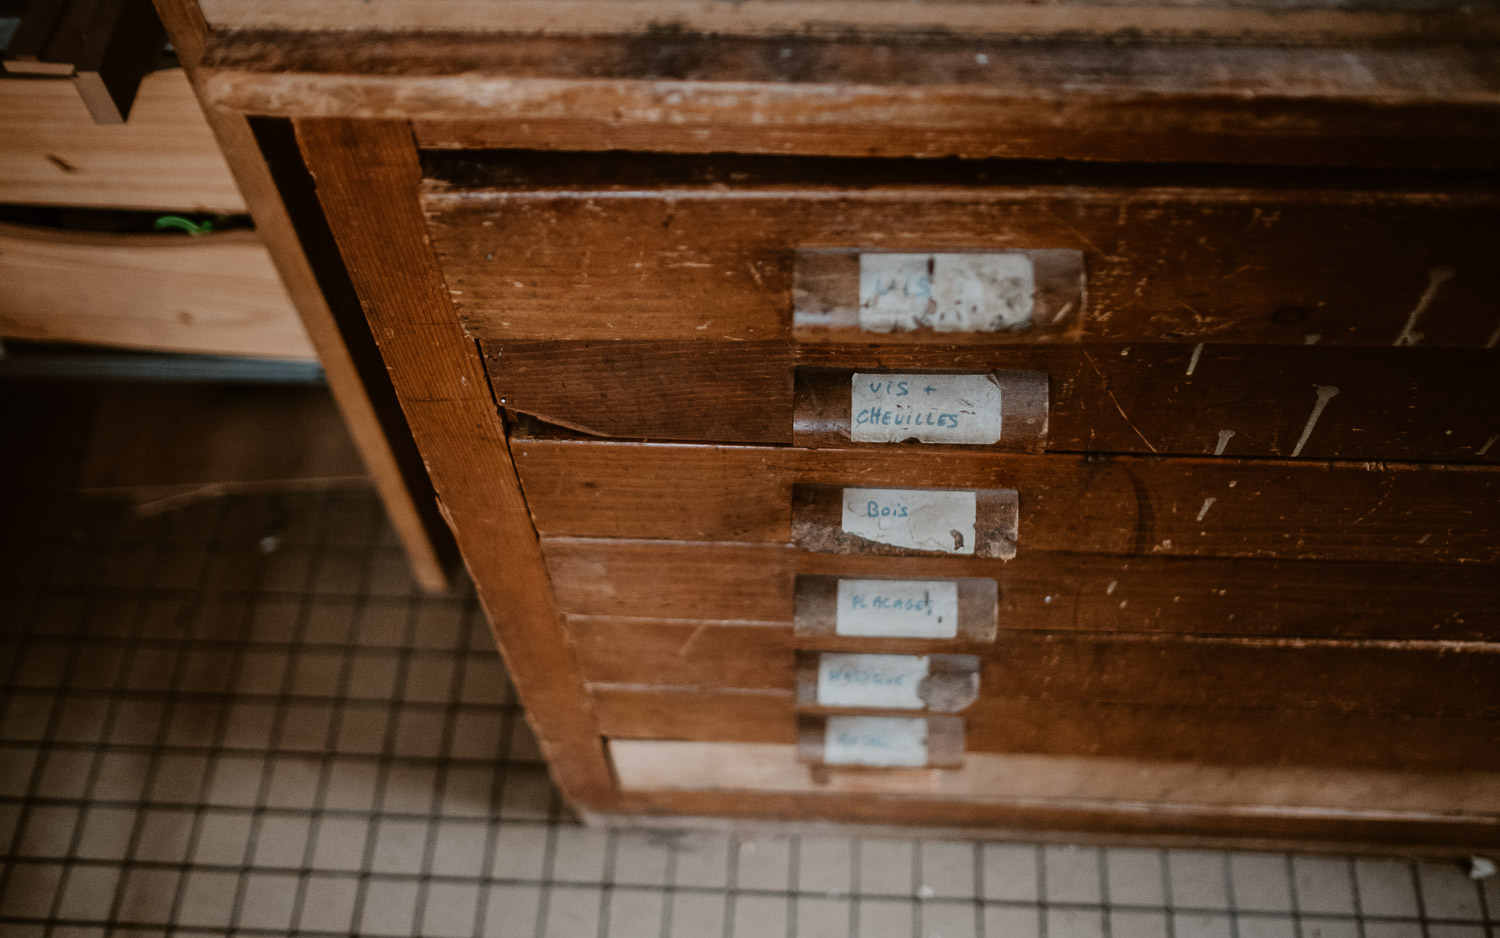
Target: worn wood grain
{"x":1045,"y":592}
{"x":559,"y":247}
{"x":52,"y":152}
{"x":1122,"y":505}
{"x":674,"y":390}
{"x":1418,"y":679}
{"x":216,"y":294}
{"x":366,"y":175}
{"x":1419,"y":104}
{"x":1234,"y":400}
{"x":1245,"y":738}
{"x":674,"y":18}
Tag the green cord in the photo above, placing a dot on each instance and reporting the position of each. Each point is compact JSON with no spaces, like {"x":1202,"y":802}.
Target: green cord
{"x":179,"y":223}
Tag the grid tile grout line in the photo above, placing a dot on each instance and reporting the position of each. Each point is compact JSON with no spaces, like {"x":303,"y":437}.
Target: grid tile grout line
{"x":273,"y":733}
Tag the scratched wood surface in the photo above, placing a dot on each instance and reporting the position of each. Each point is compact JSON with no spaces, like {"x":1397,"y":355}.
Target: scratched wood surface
{"x":1119,"y":505}
{"x":1418,"y":101}
{"x":552,"y":246}
{"x":1209,"y":735}
{"x":1427,"y":679}
{"x":366,"y":173}
{"x":1311,"y":19}
{"x":754,"y":583}
{"x":1232,"y":400}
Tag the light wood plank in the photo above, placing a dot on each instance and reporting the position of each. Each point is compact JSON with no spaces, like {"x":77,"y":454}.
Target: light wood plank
{"x":214,"y":294}
{"x":165,"y":157}
{"x":1073,"y":781}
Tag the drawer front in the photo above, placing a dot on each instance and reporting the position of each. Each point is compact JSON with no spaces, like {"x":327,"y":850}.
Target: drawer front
{"x":755,"y":584}
{"x":1124,"y":506}
{"x":1427,"y":681}
{"x":684,"y":300}
{"x":1308,"y":401}
{"x":1213,"y":735}
{"x":550,"y":247}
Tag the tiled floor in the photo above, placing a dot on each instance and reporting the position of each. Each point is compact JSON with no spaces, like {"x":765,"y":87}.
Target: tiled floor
{"x":239,"y":719}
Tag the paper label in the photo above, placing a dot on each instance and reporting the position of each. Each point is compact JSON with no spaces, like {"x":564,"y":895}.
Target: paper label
{"x":920,"y":519}
{"x":886,"y":682}
{"x":928,"y":408}
{"x":945,"y":292}
{"x":877,"y":741}
{"x":897,"y":608}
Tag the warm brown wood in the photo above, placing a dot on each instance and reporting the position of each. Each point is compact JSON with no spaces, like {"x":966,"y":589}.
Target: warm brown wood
{"x":213,"y":294}
{"x":1131,"y":18}
{"x":1121,"y":505}
{"x":367,"y":174}
{"x":1207,"y":735}
{"x":552,"y":246}
{"x":52,"y":152}
{"x":674,"y":390}
{"x":754,"y":583}
{"x":1137,"y":398}
{"x":1417,"y":104}
{"x":364,"y":395}
{"x":1426,"y":679}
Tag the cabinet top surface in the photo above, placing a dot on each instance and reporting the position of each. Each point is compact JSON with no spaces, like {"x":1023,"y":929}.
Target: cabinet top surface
{"x":1199,"y":19}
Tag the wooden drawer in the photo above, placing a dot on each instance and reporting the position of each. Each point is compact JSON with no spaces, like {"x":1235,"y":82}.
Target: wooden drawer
{"x":1426,"y":680}
{"x":559,"y":246}
{"x":213,"y":294}
{"x":688,"y":299}
{"x":164,"y":157}
{"x":1177,"y":508}
{"x":1157,"y":733}
{"x":1312,"y":402}
{"x":754,"y":584}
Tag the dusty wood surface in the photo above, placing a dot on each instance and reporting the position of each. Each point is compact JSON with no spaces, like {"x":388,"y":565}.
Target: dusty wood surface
{"x":1121,"y":505}
{"x":1409,"y":104}
{"x":364,"y":395}
{"x":1321,"y":19}
{"x":540,"y":246}
{"x":1154,"y":398}
{"x":214,"y":294}
{"x":755,"y":583}
{"x":366,"y":174}
{"x":52,"y":152}
{"x":1209,"y":736}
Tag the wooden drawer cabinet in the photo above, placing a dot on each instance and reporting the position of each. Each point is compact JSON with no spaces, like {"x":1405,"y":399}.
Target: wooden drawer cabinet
{"x":890,"y":441}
